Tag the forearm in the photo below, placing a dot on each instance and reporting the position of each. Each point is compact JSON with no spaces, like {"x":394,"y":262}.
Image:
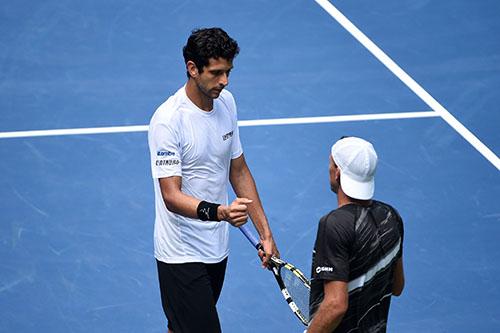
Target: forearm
{"x":181,"y":203}
{"x":326,"y":319}
{"x":244,"y":186}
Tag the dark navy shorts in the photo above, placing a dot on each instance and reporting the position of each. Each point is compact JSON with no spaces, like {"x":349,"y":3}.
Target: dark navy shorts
{"x":189,"y":293}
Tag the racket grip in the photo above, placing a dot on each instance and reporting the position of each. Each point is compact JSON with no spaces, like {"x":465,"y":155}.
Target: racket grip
{"x":250,"y":236}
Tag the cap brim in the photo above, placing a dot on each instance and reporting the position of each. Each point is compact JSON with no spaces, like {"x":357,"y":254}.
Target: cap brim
{"x":356,"y":189}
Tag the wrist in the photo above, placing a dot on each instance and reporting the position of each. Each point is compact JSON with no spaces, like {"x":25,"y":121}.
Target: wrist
{"x":266,"y":236}
{"x":221,"y":212}
{"x":208,"y":211}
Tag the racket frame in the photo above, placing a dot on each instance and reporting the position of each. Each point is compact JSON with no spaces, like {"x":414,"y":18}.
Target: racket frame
{"x":276,"y":265}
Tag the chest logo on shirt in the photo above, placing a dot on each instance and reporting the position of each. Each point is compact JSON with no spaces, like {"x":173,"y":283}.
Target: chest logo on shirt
{"x":323,"y":269}
{"x":227,"y":135}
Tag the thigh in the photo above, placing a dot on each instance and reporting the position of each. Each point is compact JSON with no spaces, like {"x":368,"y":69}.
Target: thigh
{"x":217,"y":272}
{"x":187,"y":298}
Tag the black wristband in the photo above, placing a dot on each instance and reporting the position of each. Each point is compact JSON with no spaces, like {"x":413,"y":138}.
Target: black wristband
{"x":207,"y":211}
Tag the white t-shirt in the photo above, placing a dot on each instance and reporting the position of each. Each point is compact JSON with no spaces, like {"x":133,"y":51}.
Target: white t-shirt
{"x":198,"y":146}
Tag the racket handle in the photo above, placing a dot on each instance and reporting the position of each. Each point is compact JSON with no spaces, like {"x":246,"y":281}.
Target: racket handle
{"x":250,"y":236}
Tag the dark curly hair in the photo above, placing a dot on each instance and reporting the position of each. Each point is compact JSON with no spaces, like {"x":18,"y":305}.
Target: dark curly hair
{"x":207,"y":43}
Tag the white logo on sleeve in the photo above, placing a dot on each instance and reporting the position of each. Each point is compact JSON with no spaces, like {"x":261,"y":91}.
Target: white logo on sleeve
{"x":323,"y":269}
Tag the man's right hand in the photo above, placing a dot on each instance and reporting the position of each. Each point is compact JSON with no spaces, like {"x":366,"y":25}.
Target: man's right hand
{"x":236,"y":213}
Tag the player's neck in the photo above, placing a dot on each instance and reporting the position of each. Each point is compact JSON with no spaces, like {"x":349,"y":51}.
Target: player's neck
{"x":199,"y":99}
{"x":343,"y":199}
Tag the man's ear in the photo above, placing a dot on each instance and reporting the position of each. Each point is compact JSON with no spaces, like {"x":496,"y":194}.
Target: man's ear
{"x":192,"y":69}
{"x":337,"y":175}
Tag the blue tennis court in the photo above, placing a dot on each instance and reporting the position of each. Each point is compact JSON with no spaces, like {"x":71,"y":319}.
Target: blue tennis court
{"x":80,"y":80}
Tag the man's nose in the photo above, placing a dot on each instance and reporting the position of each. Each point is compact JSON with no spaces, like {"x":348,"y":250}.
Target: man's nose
{"x":224,"y":80}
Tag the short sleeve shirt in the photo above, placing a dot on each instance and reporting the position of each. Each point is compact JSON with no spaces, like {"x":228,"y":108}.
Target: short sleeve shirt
{"x":197,"y":146}
{"x":358,"y":245}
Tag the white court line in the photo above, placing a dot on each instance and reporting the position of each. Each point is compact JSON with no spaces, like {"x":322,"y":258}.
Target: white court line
{"x":337,"y":119}
{"x":410,"y":83}
{"x":73,"y":131}
{"x":241,"y":123}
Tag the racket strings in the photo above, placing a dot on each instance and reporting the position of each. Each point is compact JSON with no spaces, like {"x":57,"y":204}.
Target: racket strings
{"x":297,"y":290}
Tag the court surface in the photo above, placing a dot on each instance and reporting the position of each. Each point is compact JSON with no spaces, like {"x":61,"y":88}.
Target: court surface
{"x":76,"y":222}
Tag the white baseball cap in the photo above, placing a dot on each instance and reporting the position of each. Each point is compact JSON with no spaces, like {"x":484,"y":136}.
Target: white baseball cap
{"x":357,"y":161}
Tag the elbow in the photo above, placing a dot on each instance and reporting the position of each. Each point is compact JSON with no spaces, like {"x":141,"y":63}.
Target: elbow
{"x":170,"y":202}
{"x":397,"y":291}
{"x":339,"y":305}
{"x":398,"y":279}
{"x":338,"y":313}
{"x":397,"y":288}
{"x":170,"y":188}
{"x":338,"y":310}
{"x":342,"y":309}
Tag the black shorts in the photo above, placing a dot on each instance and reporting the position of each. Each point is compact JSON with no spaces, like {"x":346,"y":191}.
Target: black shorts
{"x":189,"y":293}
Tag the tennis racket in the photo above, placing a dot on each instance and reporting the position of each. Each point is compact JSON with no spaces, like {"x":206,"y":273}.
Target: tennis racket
{"x":295,"y":287}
